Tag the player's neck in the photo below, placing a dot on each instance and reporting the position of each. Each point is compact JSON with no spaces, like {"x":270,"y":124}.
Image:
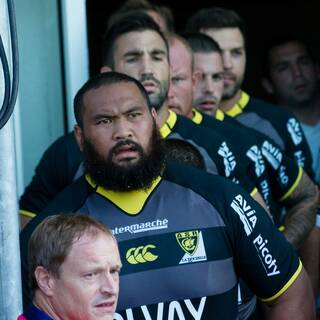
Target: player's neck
{"x":163,"y":114}
{"x":227,"y":104}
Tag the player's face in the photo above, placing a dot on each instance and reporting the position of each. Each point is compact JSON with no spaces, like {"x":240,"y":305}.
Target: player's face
{"x":143,"y":56}
{"x":117,"y":123}
{"x":292,"y":73}
{"x":181,"y":84}
{"x":208,"y":91}
{"x":231,"y":42}
{"x":88,"y":283}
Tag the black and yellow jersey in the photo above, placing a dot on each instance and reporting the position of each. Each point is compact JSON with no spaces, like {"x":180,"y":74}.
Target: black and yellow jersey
{"x":60,"y":163}
{"x":279,"y":175}
{"x":183,"y":244}
{"x":276,"y":123}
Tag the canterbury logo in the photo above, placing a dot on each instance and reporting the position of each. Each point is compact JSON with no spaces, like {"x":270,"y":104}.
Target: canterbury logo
{"x":141,"y":254}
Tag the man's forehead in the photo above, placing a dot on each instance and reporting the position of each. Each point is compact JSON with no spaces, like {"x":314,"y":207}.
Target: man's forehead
{"x":136,"y":40}
{"x":227,"y":38}
{"x":287,"y":51}
{"x":208,"y":60}
{"x":108,"y":93}
{"x":180,"y":57}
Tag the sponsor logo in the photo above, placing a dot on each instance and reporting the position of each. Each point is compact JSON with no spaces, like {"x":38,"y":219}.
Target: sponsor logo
{"x":295,"y":131}
{"x":300,"y":158}
{"x":255,"y":155}
{"x":265,"y":191}
{"x":245,"y":212}
{"x":266,"y":258}
{"x":283,"y":176}
{"x":228,"y":158}
{"x":141,"y":254}
{"x":192,"y":244}
{"x":165,"y":311}
{"x":272,"y":154}
{"x":142,"y":227}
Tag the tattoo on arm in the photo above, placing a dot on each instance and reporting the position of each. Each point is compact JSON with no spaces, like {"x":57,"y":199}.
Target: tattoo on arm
{"x":301,"y":208}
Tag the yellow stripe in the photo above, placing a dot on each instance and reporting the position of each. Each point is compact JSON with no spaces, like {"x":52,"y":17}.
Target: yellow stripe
{"x":253,"y":192}
{"x":165,"y":130}
{"x":131,"y":202}
{"x":296,"y":183}
{"x":239,"y":106}
{"x":287,"y":285}
{"x":197,"y":116}
{"x":219,"y":115}
{"x":27,"y":213}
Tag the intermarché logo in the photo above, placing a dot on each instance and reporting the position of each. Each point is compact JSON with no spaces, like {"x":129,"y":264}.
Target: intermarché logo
{"x":141,"y":254}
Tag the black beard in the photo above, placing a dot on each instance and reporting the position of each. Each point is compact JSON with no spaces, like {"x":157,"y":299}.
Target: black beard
{"x":139,"y":175}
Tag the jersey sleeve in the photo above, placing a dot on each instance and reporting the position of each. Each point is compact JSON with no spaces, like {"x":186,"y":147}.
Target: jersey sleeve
{"x":263,"y":258}
{"x":297,"y":146}
{"x":54,"y":172}
{"x":284,"y":173}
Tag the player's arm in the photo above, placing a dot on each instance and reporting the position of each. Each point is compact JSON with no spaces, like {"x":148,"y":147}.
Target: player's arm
{"x":296,"y":302}
{"x":302,"y":204}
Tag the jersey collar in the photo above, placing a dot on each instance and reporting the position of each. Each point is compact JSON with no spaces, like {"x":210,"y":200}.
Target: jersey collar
{"x":239,"y":106}
{"x":131,"y":202}
{"x":35,"y":314}
{"x":166,"y":129}
{"x":197,"y":116}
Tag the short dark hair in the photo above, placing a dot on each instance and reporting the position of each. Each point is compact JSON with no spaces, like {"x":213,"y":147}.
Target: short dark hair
{"x":131,"y":22}
{"x":183,"y":152}
{"x":201,"y":43}
{"x":134,"y":6}
{"x":99,"y":80}
{"x":52,"y":240}
{"x":216,"y":18}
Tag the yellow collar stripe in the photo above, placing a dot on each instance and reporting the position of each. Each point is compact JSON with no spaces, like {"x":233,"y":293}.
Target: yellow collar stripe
{"x":131,"y":202}
{"x":165,"y":130}
{"x":197,"y":116}
{"x":219,"y":115}
{"x":239,"y":106}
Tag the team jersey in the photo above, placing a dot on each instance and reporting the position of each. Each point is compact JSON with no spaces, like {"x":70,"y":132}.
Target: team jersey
{"x":278,"y":175}
{"x":276,"y":123}
{"x":183,"y":244}
{"x":61,"y":162}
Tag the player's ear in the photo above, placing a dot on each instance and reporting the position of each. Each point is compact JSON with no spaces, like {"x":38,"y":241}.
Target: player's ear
{"x":78,"y":132}
{"x":44,"y":280}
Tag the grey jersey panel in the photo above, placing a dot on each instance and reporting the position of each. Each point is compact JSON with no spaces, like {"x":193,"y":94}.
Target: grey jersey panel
{"x":212,"y":278}
{"x":162,"y":213}
{"x":209,"y":163}
{"x":254,"y":121}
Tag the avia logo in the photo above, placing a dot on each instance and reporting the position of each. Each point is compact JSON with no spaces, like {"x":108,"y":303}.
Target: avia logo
{"x":192,"y":244}
{"x":283,"y":176}
{"x":142,"y":227}
{"x":141,"y":254}
{"x":272,"y":154}
{"x":255,"y":155}
{"x":228,"y":158}
{"x":268,"y":262}
{"x":300,"y":158}
{"x":295,"y":131}
{"x":265,"y":191}
{"x":245,"y":212}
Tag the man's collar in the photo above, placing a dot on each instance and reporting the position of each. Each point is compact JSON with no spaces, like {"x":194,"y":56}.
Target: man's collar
{"x":239,"y":106}
{"x":197,"y":116}
{"x":33,"y":313}
{"x":131,"y":202}
{"x":167,"y":127}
